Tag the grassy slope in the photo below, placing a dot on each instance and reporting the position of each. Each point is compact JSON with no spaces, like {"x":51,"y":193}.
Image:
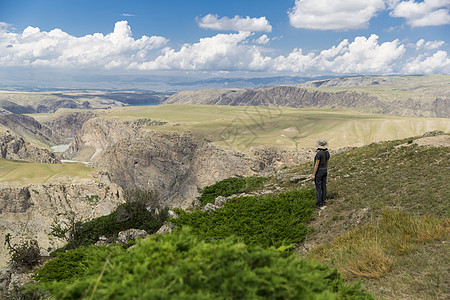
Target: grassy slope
{"x":363,"y":183}
{"x":14,"y":172}
{"x":245,"y":127}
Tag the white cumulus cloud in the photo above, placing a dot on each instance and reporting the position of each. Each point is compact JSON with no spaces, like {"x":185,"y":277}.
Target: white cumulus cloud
{"x":220,"y":52}
{"x":438,"y":63}
{"x":334,"y":14}
{"x":234,"y":52}
{"x":237,"y":23}
{"x":362,"y":56}
{"x":56,"y":48}
{"x":419,"y":14}
{"x":241,"y":51}
{"x":430,"y":45}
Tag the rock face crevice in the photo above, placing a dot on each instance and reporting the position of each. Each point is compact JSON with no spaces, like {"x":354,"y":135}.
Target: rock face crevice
{"x":15,"y":200}
{"x":442,"y":107}
{"x":177,"y":165}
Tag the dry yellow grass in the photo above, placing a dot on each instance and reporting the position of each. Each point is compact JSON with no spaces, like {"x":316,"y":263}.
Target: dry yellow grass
{"x":372,"y":250}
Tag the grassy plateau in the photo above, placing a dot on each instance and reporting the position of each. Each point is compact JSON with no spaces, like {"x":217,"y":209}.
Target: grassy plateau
{"x":21,"y":173}
{"x":290,"y":128}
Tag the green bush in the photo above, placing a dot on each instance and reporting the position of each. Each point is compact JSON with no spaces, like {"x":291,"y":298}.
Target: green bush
{"x":272,"y":220}
{"x":25,"y":255}
{"x":230,"y":186}
{"x":74,"y":264}
{"x":141,"y":211}
{"x":181,"y":266}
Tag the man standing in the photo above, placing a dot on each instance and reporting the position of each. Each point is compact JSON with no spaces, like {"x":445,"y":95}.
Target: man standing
{"x":320,"y":171}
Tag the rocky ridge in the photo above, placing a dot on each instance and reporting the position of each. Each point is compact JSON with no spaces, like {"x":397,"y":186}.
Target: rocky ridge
{"x":68,"y":125}
{"x":297,"y":97}
{"x":16,"y":148}
{"x":31,"y":130}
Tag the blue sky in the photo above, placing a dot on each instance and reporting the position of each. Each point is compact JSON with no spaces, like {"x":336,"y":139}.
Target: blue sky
{"x":265,"y":37}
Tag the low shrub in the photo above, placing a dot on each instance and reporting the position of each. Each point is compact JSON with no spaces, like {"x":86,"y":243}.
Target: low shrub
{"x":182,"y":266}
{"x":272,"y":220}
{"x":75,"y":263}
{"x":24,"y":256}
{"x":230,"y":186}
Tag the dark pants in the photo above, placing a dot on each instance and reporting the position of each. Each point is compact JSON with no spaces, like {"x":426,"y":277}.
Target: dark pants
{"x":321,"y":186}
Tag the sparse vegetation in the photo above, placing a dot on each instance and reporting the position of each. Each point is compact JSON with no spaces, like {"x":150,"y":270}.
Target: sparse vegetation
{"x":371,"y":250}
{"x":383,"y":254}
{"x":92,"y":198}
{"x":393,"y":197}
{"x":24,"y":256}
{"x":411,"y":177}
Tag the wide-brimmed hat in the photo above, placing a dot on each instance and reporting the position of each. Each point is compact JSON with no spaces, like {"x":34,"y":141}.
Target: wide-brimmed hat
{"x":322,"y":143}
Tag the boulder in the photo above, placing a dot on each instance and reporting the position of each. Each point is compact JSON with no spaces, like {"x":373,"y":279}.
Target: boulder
{"x":130,"y":235}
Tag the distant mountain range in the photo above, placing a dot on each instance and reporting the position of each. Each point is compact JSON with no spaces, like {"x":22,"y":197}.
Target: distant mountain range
{"x":37,"y":81}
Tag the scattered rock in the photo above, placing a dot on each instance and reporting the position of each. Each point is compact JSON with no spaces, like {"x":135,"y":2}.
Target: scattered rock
{"x":18,"y":279}
{"x":356,"y":217}
{"x":130,"y":235}
{"x":220,"y":201}
{"x":210,"y":207}
{"x":165,"y":229}
{"x":304,"y":248}
{"x":103,"y":240}
{"x":433,"y":133}
{"x":298,"y":178}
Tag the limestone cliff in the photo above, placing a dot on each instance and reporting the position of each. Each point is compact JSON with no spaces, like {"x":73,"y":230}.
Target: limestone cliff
{"x":68,"y":125}
{"x":95,"y":136}
{"x":16,"y":148}
{"x":27,"y":212}
{"x":177,"y":165}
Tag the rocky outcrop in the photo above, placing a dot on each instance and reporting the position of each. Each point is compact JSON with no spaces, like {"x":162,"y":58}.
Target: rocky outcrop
{"x":128,"y":235}
{"x":31,"y":130}
{"x":4,"y":112}
{"x":176,"y":165}
{"x":43,"y":106}
{"x":289,"y":96}
{"x":16,"y":148}
{"x":28,"y":212}
{"x":68,"y":125}
{"x":95,"y":136}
